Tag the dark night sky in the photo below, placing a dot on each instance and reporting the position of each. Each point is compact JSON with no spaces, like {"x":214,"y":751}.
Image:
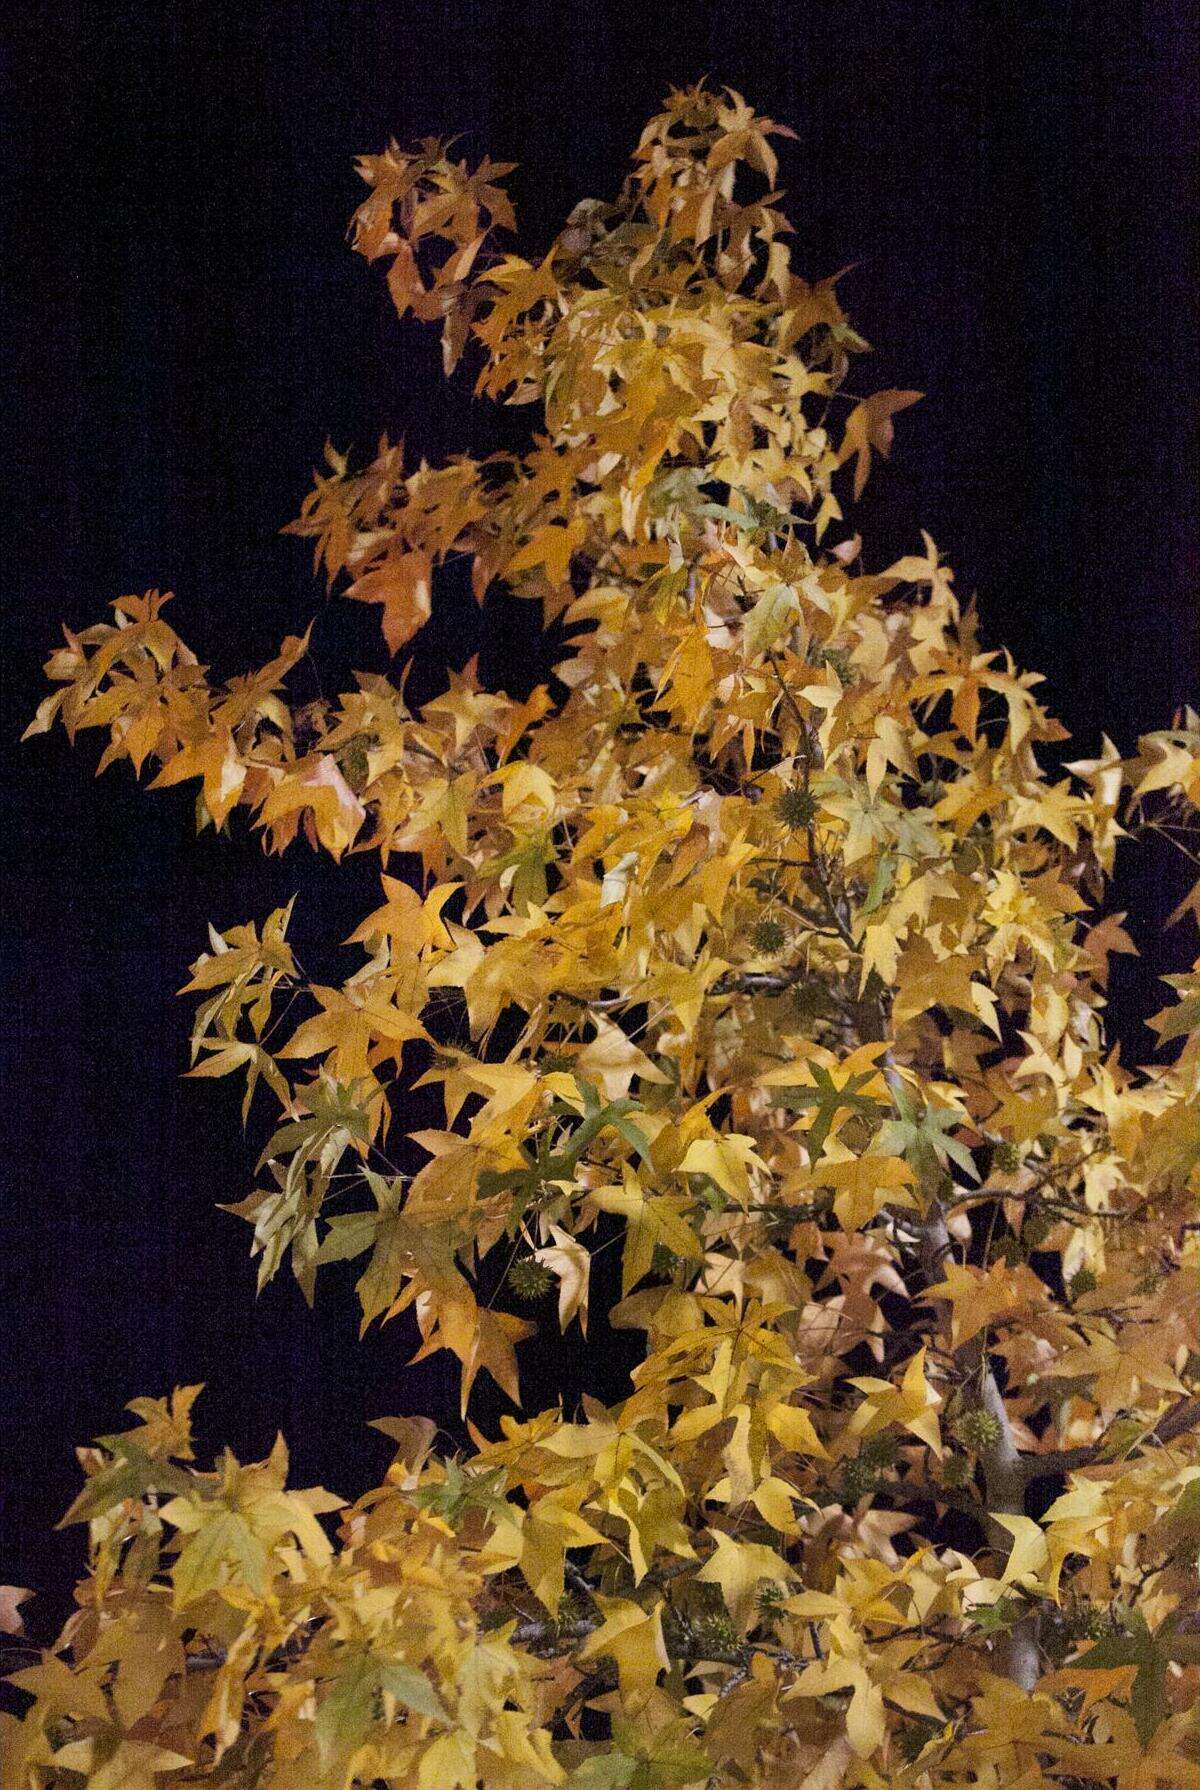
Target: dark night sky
{"x":188,"y":325}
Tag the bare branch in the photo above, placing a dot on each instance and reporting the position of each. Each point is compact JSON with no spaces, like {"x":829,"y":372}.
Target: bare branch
{"x":1176,"y":1422}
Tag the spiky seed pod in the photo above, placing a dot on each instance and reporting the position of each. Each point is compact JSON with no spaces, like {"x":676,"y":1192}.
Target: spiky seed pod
{"x":858,"y":1481}
{"x":769,"y":937}
{"x":956,"y":1471}
{"x":355,"y":765}
{"x":838,"y":660}
{"x":529,"y":1280}
{"x":878,"y":1451}
{"x":810,"y":1000}
{"x":1088,"y":1622}
{"x":1006,"y":1157}
{"x":664,"y":1261}
{"x":796,"y":808}
{"x":1081,"y":1283}
{"x":1036,"y":1229}
{"x":717,"y":1633}
{"x":977,"y":1430}
{"x":912,"y":1739}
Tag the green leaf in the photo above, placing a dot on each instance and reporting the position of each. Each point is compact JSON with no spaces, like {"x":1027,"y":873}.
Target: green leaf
{"x":346,"y":1711}
{"x":925,"y":1141}
{"x":349,"y":1706}
{"x":130,"y":1475}
{"x":773,"y":616}
{"x":881,"y":883}
{"x":608,"y":1771}
{"x":828,"y":1099}
{"x":1138,"y":1647}
{"x":409,"y":1687}
{"x":225,"y":1538}
{"x":348,"y":1235}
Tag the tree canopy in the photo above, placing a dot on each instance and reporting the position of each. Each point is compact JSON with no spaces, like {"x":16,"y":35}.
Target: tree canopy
{"x":765,"y":945}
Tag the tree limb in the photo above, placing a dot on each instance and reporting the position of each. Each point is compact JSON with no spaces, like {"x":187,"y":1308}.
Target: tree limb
{"x":1182,"y":1417}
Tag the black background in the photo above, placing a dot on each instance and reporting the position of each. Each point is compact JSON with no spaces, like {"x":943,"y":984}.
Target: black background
{"x":187,"y":326}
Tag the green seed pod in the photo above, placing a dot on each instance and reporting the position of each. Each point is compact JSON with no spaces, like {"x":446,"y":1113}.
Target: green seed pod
{"x":1087,"y":1622}
{"x":717,"y":1632}
{"x":1036,"y":1229}
{"x":858,"y":1481}
{"x":1081,"y":1283}
{"x":977,"y":1430}
{"x":769,"y":937}
{"x":529,"y":1280}
{"x":878,"y":1451}
{"x":796,"y":808}
{"x":355,"y":765}
{"x":912,"y":1739}
{"x":1006,"y":1157}
{"x":956,"y":1471}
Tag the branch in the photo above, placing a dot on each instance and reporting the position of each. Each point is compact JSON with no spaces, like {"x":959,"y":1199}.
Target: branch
{"x":758,"y":981}
{"x":553,"y":1637}
{"x":1003,"y":1474}
{"x":1176,"y":1422}
{"x":809,"y":755}
{"x":928,"y":1491}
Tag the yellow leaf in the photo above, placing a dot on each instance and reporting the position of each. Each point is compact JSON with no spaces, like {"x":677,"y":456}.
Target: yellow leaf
{"x":739,"y":1567}
{"x":1030,"y":1551}
{"x":121,"y":1764}
{"x":913,"y":1404}
{"x":567,"y":1258}
{"x":869,"y":426}
{"x":773,"y":615}
{"x":864,"y":1186}
{"x":401,"y":583}
{"x":632,"y":1637}
{"x":727,"y":1160}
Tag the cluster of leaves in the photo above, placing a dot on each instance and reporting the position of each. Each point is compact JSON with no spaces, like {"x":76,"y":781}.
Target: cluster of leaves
{"x":776,"y":938}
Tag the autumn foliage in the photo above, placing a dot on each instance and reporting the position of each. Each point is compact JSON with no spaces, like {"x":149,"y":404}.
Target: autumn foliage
{"x":766,"y":946}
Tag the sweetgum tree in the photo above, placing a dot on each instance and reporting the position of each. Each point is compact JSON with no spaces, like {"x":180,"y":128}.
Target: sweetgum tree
{"x":764,"y":945}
